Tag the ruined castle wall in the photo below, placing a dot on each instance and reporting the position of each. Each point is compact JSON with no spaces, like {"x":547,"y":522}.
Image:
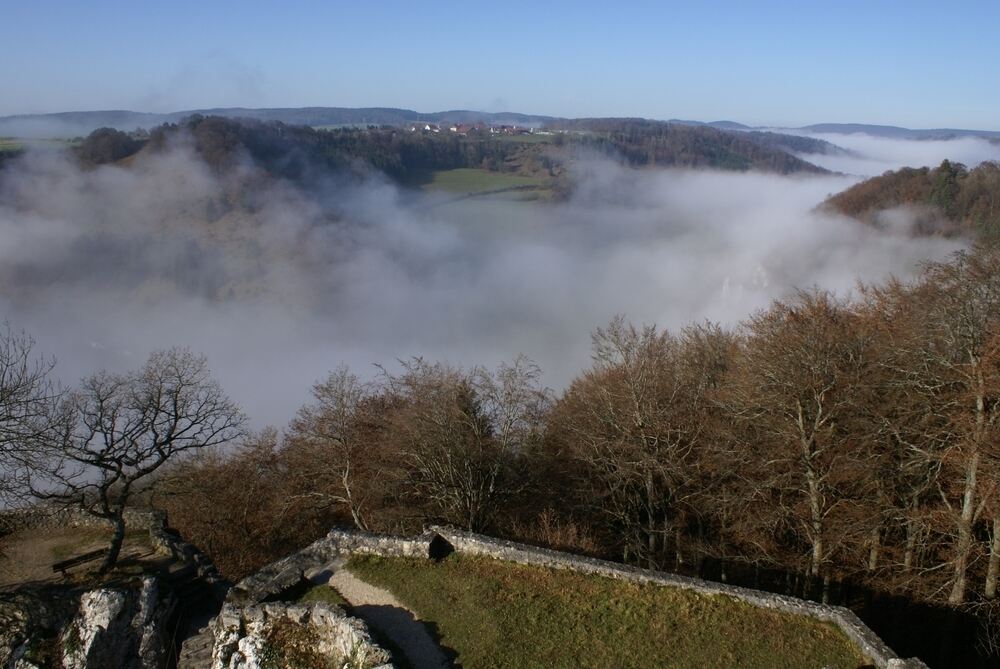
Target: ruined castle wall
{"x":289,"y":571}
{"x":43,"y":517}
{"x":339,"y":544}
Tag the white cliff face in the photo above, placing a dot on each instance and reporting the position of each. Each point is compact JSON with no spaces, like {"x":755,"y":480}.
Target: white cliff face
{"x":148,"y":625}
{"x":97,"y":621}
{"x":117,"y":627}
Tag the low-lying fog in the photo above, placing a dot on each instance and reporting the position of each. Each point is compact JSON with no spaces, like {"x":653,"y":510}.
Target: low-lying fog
{"x":103,"y":266}
{"x":870,"y":156}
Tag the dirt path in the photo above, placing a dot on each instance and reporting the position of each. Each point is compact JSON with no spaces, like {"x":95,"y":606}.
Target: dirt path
{"x":387,"y":616}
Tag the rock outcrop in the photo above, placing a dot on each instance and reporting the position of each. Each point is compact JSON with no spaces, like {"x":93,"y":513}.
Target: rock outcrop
{"x":252,"y":637}
{"x":122,"y":626}
{"x":122,"y":623}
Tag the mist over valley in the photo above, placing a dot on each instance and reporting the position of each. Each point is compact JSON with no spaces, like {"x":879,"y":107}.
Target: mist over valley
{"x":278,"y":279}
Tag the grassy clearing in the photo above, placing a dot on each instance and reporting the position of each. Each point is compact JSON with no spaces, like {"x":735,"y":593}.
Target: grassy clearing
{"x":472,"y":180}
{"x":495,"y":614}
{"x":15,"y":145}
{"x":527,"y":139}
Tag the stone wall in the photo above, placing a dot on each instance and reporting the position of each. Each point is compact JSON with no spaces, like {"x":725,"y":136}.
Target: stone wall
{"x":170,"y":543}
{"x":43,"y":517}
{"x":291,"y":570}
{"x":436,"y":541}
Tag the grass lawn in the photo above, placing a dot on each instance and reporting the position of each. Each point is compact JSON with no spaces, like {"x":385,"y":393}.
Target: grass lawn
{"x":499,"y":614}
{"x":472,"y":180}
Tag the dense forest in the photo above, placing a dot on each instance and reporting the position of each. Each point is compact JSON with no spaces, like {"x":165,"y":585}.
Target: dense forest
{"x":948,"y":199}
{"x":794,"y":143}
{"x":640,"y":142}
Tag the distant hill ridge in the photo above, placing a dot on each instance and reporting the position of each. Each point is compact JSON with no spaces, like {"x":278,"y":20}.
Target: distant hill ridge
{"x":888,"y":131}
{"x":71,"y":124}
{"x":81,"y":123}
{"x":896,"y":132}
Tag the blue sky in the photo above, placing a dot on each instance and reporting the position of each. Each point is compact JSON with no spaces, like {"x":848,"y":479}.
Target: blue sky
{"x":918,"y":64}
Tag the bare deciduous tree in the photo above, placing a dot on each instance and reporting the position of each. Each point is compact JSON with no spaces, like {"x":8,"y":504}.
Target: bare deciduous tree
{"x":635,"y":421}
{"x":960,"y":305}
{"x":117,"y":429}
{"x":803,"y":369}
{"x":27,"y":398}
{"x":234,"y":504}
{"x":464,"y":435}
{"x":333,"y":449}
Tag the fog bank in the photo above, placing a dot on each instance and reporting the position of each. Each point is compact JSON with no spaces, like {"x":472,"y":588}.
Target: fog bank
{"x":871,"y":156}
{"x":277,"y":285}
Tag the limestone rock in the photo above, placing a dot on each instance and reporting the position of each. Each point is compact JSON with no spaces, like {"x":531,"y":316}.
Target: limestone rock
{"x":121,"y":627}
{"x":244,"y":639}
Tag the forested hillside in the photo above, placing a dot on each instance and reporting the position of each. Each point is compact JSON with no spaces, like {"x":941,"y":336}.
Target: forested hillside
{"x":296,"y":151}
{"x":948,"y":199}
{"x":655,"y":143}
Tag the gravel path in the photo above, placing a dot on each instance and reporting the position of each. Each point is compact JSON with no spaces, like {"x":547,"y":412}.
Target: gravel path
{"x":387,"y":616}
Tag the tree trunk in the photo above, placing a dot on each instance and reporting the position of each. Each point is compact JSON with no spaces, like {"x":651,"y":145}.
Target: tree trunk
{"x":816,"y":523}
{"x":911,"y":544}
{"x":873,"y":550}
{"x":678,"y":554}
{"x":964,"y":545}
{"x":359,"y":522}
{"x":651,"y":521}
{"x":994,"y":567}
{"x":651,"y":546}
{"x":117,"y":539}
